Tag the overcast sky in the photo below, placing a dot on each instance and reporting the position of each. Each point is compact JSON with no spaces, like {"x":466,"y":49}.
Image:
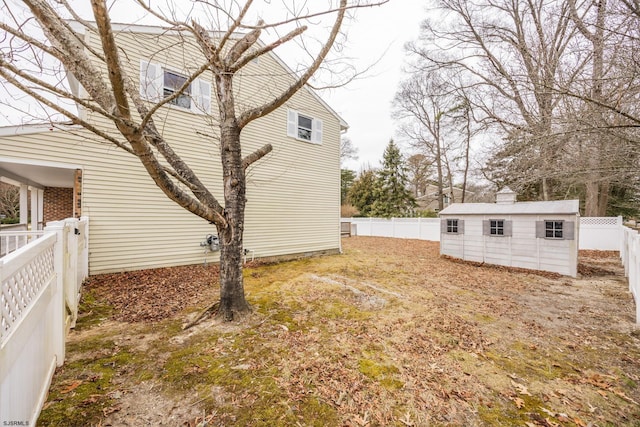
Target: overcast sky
{"x":366,"y":104}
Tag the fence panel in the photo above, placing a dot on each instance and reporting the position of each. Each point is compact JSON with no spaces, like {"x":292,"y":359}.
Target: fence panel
{"x":15,"y":239}
{"x":600,"y":233}
{"x":630,"y":255}
{"x":32,"y":334}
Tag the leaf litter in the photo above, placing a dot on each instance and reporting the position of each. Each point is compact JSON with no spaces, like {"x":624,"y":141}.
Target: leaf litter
{"x":389,"y":333}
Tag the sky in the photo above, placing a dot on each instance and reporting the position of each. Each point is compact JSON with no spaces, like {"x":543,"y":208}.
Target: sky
{"x":366,"y":104}
{"x":376,"y":39}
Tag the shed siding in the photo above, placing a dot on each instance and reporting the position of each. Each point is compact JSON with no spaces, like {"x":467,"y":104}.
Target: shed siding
{"x":293,"y":193}
{"x":522,"y":249}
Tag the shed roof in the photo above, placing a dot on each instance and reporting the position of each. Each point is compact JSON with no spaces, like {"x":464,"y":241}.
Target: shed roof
{"x":518,"y":208}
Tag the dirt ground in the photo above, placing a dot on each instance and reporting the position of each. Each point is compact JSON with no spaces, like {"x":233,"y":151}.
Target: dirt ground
{"x":387,"y":334}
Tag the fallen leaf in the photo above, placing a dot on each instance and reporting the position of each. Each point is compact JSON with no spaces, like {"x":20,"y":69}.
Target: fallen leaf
{"x":520,"y":388}
{"x":110,"y":410}
{"x":579,"y":422}
{"x":74,"y":385}
{"x":518,"y":402}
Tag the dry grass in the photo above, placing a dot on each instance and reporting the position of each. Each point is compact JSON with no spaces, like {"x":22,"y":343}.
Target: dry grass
{"x":388,"y":334}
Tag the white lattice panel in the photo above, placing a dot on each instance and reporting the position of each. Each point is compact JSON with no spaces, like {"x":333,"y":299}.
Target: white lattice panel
{"x":19,"y":289}
{"x":599,"y":221}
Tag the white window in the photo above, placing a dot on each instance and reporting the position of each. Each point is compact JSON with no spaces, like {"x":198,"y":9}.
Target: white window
{"x":157,"y":82}
{"x":304,"y":127}
{"x":452,"y":226}
{"x":553,"y":229}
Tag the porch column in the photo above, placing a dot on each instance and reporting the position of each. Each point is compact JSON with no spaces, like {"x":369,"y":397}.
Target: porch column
{"x":24,"y":203}
{"x":37,"y":208}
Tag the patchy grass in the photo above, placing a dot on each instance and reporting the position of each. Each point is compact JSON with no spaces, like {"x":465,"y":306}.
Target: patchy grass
{"x":387,"y":334}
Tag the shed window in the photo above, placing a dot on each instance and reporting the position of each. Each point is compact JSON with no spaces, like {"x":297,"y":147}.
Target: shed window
{"x":553,"y":229}
{"x":452,"y":226}
{"x":496,"y":227}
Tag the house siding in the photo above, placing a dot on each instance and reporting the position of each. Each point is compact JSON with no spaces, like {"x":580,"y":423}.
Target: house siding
{"x":293,"y":193}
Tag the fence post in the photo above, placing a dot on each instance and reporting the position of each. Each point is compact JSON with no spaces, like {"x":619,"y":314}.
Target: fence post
{"x":59,"y":328}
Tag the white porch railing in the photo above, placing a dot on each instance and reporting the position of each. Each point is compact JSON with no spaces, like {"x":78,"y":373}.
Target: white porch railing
{"x":630,"y":254}
{"x":40,"y":285}
{"x":15,"y":239}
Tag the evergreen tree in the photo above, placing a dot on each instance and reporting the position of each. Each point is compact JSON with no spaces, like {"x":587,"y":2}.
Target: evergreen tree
{"x":363,"y":191}
{"x":393,"y":198}
{"x":347,"y":177}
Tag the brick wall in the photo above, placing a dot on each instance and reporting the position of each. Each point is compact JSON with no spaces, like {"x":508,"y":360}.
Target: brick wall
{"x":58,"y":203}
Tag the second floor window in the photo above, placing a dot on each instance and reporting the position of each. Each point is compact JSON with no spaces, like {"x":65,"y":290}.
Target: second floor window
{"x":158,"y":82}
{"x":172,"y":82}
{"x":303,"y":127}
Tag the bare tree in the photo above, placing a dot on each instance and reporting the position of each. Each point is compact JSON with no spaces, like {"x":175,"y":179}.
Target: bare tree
{"x":347,"y":150}
{"x":112,"y":96}
{"x":418,"y":173}
{"x":427,"y":107}
{"x":512,"y":52}
{"x":9,"y":200}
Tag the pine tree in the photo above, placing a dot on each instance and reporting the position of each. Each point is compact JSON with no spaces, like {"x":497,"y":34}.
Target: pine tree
{"x":393,"y":199}
{"x":363,"y":191}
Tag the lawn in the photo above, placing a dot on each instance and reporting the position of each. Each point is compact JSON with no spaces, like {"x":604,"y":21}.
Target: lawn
{"x":387,"y":334}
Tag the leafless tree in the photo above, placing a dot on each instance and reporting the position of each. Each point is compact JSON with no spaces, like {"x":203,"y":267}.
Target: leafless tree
{"x":348,"y":151}
{"x":512,"y":53}
{"x":112,"y":95}
{"x":9,"y":200}
{"x":430,"y":110}
{"x":418,"y":172}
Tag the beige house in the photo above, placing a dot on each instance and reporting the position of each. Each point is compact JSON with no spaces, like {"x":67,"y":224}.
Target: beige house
{"x":429,"y":200}
{"x":293,"y":193}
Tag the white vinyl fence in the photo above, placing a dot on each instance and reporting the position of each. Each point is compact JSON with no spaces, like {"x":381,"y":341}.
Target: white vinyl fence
{"x":40,"y":286}
{"x":630,"y":254}
{"x":601,"y":233}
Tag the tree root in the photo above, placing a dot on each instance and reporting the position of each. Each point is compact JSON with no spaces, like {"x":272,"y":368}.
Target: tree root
{"x":205,"y":314}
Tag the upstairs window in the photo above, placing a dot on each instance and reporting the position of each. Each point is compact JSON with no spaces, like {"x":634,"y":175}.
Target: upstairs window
{"x":173,"y":82}
{"x":304,"y":127}
{"x":158,"y":82}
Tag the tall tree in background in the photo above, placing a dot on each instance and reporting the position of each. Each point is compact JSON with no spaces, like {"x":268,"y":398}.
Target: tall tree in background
{"x":135,"y":123}
{"x":419,"y":169}
{"x":394,"y":199}
{"x":511,"y":53}
{"x":427,"y":106}
{"x":364,"y":191}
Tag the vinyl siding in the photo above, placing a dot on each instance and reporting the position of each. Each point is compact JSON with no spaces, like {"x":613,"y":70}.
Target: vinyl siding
{"x":293,"y":193}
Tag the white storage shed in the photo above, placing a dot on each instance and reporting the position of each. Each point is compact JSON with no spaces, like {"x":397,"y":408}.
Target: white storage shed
{"x":532,"y":235}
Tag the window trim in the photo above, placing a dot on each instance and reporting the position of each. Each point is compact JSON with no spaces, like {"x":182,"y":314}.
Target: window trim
{"x":152,"y":88}
{"x":293,"y":127}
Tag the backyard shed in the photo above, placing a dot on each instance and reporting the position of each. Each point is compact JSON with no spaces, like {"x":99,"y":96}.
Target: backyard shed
{"x":532,"y":235}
